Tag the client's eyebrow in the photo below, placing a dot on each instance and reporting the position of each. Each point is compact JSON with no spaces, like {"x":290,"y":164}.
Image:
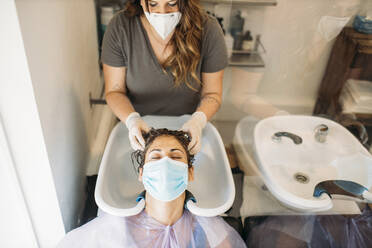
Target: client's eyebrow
{"x":155,"y":150}
{"x":175,"y":149}
{"x":172,"y":150}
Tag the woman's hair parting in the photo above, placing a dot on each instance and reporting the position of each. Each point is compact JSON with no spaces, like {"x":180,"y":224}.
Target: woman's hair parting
{"x":138,"y":156}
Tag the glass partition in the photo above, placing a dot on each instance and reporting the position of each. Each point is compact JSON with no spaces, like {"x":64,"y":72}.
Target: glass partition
{"x":289,"y":59}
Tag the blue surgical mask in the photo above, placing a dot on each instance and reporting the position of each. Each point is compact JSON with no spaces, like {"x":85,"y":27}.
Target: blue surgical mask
{"x":165,"y":179}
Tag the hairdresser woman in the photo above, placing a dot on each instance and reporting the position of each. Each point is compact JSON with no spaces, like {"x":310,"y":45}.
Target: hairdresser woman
{"x":163,"y":57}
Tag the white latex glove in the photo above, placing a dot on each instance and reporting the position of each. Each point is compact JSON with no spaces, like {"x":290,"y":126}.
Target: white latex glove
{"x":136,"y":125}
{"x":194,"y":127}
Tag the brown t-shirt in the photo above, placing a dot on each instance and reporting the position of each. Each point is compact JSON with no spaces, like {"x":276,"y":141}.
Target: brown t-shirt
{"x":150,"y":90}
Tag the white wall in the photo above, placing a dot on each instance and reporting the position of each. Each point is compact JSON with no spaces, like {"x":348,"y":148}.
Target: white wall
{"x":14,"y":213}
{"x":62,"y":52}
{"x":29,"y":210}
{"x":366,"y":9}
{"x":296,"y":55}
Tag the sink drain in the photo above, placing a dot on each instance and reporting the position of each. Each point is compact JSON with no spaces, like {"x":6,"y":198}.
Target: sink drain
{"x":301,"y":178}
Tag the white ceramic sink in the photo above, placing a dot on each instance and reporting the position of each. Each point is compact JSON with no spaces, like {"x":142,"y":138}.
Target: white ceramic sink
{"x":118,"y":186}
{"x":291,"y":171}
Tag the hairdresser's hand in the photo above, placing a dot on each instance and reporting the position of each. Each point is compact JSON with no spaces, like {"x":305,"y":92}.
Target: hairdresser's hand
{"x":136,"y":126}
{"x":194,"y":127}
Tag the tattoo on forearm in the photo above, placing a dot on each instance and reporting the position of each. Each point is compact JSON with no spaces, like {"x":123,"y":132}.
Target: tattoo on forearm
{"x":117,"y":87}
{"x":210,"y":98}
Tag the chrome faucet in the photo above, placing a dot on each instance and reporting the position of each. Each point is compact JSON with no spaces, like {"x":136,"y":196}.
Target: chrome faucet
{"x":278,"y":136}
{"x":321,"y":132}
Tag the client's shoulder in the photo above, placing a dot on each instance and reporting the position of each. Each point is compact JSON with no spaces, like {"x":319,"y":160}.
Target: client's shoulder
{"x":96,"y":230}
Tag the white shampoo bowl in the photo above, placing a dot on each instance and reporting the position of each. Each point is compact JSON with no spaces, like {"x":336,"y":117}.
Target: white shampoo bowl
{"x":118,"y":187}
{"x":292,"y":170}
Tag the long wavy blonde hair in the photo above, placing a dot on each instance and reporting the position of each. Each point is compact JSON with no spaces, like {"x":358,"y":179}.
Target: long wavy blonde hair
{"x":186,"y":40}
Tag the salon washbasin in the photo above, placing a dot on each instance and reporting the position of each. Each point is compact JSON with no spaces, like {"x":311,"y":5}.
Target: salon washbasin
{"x":292,"y":159}
{"x":118,"y":186}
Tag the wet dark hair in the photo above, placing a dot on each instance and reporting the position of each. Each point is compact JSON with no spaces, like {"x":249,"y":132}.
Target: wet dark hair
{"x":138,"y":156}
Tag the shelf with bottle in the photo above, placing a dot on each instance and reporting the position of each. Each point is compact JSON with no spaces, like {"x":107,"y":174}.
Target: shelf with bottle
{"x":243,"y":51}
{"x":243,"y":2}
{"x":247,"y":60}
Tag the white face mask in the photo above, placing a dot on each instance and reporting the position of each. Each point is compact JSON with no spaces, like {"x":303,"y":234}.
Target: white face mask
{"x":164,"y":24}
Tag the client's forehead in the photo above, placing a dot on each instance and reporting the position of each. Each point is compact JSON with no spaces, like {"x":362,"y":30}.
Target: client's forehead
{"x":166,"y":143}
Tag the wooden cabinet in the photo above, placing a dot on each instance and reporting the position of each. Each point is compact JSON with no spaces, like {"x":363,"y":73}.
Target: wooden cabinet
{"x":351,"y":57}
